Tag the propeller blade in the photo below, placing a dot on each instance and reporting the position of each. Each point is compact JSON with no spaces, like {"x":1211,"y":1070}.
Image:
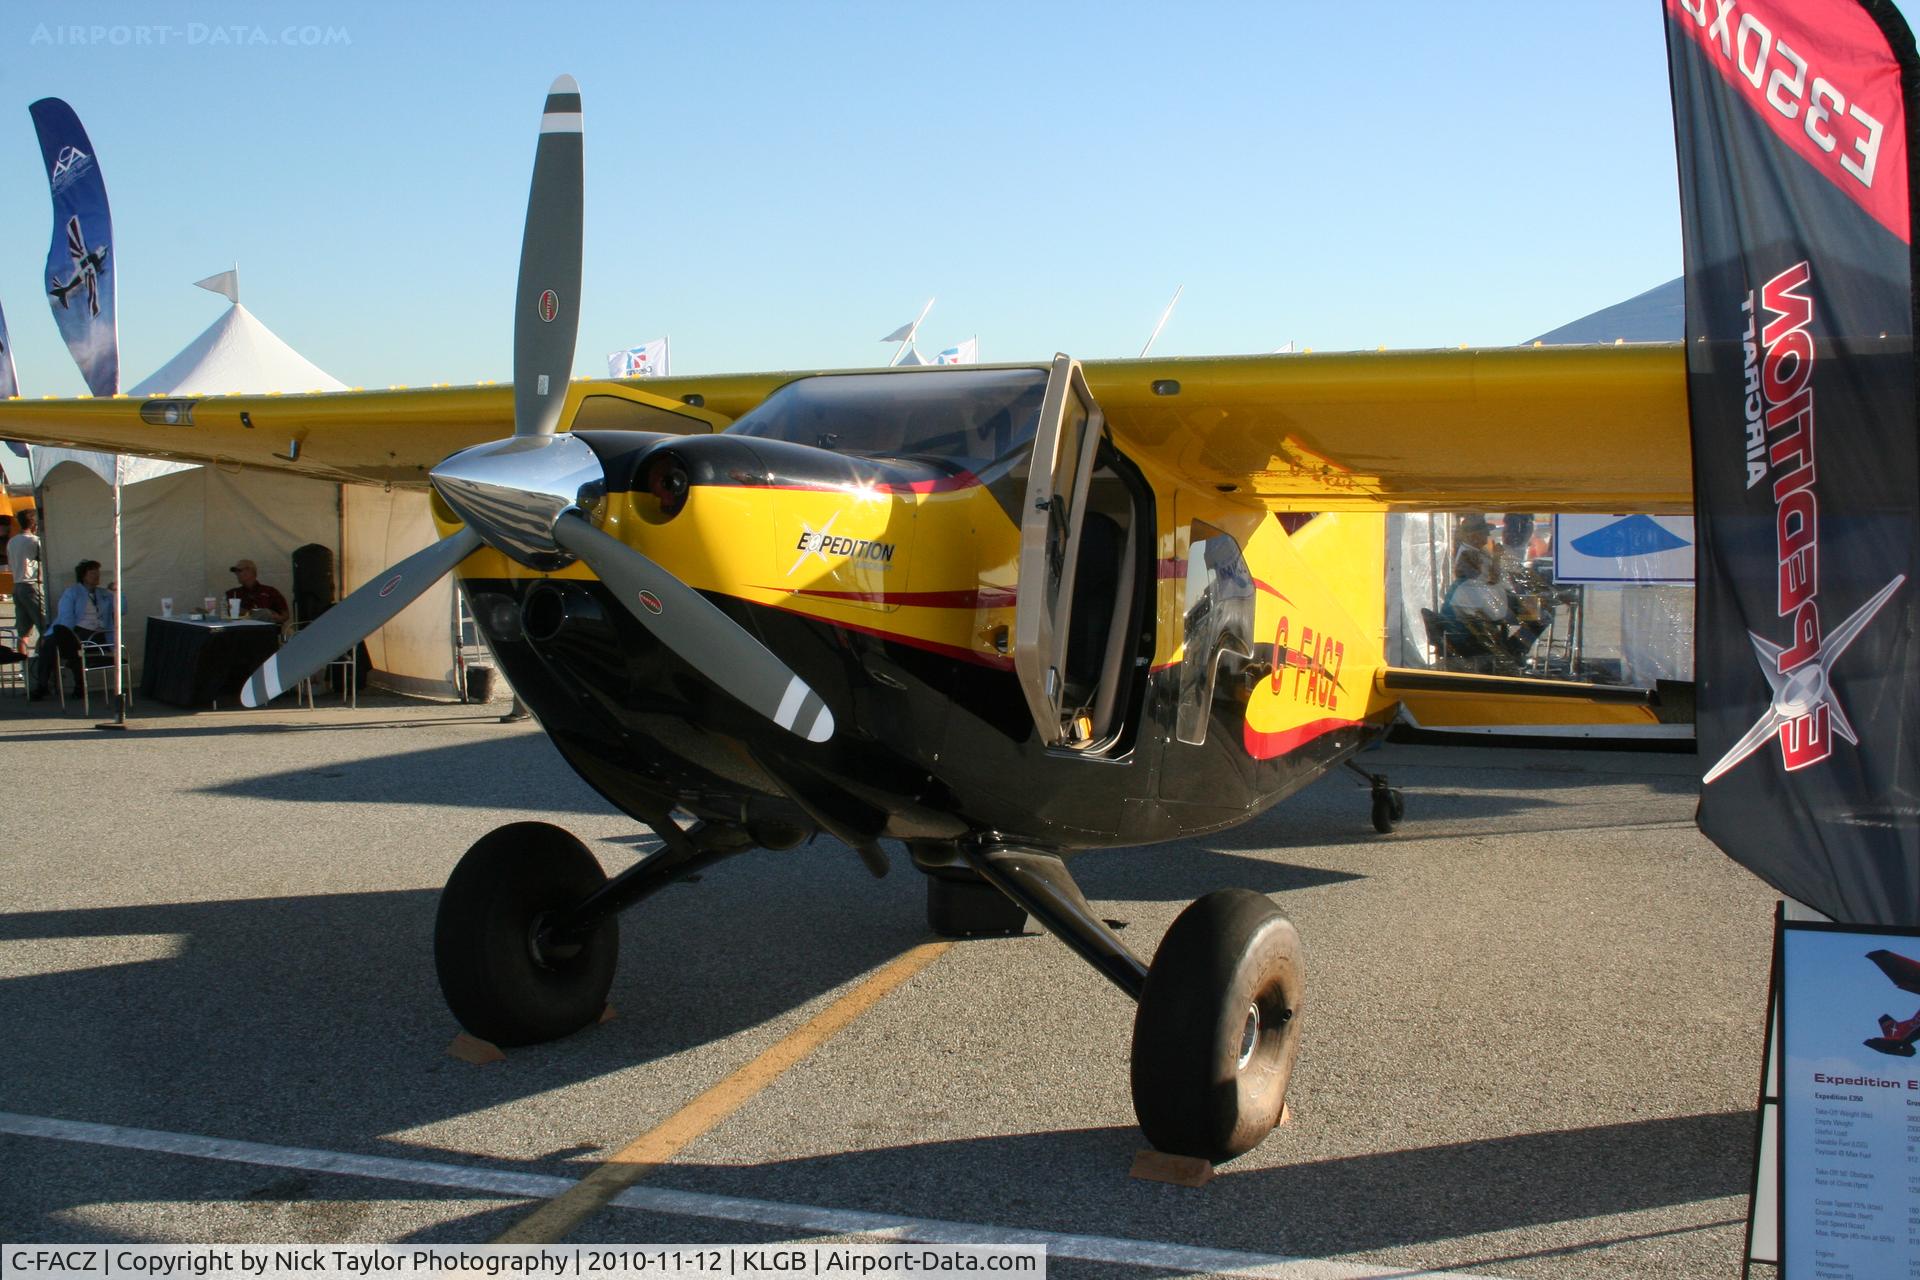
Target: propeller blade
{"x":357,"y":617}
{"x":546,"y":309}
{"x":690,"y":624}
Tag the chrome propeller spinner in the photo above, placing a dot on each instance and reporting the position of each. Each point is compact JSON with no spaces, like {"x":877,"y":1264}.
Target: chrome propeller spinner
{"x":512,"y":492}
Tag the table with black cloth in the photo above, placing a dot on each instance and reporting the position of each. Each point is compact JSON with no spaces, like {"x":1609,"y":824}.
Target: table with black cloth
{"x":191,"y":663}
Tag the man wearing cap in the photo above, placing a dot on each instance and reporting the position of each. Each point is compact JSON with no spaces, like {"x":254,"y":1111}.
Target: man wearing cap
{"x":255,"y":594}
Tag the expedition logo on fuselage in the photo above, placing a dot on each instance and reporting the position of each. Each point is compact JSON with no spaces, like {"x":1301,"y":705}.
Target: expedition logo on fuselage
{"x":828,"y":546}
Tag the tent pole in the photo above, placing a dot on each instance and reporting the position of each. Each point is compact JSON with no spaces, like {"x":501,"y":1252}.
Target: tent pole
{"x":119,"y":720}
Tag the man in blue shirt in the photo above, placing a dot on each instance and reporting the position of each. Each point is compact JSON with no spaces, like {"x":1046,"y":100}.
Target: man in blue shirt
{"x":85,"y":616}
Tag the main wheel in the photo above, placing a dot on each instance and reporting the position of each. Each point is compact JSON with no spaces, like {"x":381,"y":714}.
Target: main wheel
{"x":500,"y":982}
{"x":1218,"y":1027}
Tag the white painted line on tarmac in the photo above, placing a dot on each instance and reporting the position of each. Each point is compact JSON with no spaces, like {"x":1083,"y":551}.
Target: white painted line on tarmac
{"x":688,"y":1204}
{"x":420,"y":1172}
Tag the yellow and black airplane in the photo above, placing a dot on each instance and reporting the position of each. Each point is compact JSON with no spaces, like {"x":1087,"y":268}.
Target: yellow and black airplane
{"x":999,"y":614}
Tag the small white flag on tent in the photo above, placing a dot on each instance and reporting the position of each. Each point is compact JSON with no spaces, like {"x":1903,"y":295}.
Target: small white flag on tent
{"x":967,"y":352}
{"x":227,"y":284}
{"x":648,"y":360}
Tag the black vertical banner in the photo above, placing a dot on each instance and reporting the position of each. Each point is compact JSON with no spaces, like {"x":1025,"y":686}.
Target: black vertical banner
{"x":1793,"y":120}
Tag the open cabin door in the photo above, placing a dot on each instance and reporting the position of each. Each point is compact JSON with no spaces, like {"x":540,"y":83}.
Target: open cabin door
{"x":1050,"y":528}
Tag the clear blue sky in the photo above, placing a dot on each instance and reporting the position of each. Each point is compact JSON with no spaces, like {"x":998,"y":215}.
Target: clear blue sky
{"x":776,"y":185}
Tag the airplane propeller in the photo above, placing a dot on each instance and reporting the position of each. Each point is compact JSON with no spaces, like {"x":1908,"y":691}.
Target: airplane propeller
{"x":528,"y":496}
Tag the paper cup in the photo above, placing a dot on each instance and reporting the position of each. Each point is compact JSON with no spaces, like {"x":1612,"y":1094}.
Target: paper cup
{"x":166,"y":606}
{"x":233,"y":607}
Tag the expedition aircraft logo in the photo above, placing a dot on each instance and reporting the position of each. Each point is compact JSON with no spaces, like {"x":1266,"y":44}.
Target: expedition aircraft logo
{"x":868,"y":553}
{"x":1804,"y":711}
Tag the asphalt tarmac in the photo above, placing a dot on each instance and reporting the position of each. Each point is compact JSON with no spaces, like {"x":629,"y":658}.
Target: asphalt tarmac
{"x":1532,"y":1033}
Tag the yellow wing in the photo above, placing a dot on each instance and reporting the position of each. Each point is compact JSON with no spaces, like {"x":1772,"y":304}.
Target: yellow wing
{"x":1515,"y":428}
{"x":372,"y":437}
{"x":1541,"y":429}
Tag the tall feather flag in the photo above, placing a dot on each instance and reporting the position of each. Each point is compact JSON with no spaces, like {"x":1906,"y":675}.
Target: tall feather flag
{"x":80,"y":262}
{"x":9,"y":384}
{"x":1795,"y":126}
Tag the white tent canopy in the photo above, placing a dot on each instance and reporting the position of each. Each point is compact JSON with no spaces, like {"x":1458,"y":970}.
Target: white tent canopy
{"x":183,"y":526}
{"x":236,"y":354}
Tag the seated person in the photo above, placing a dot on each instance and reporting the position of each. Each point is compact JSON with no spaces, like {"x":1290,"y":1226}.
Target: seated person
{"x":1472,"y":547}
{"x":1483,"y":619}
{"x":255,"y":595}
{"x":85,"y":616}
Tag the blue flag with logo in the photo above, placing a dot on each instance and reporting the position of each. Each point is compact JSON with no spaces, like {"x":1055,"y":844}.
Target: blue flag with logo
{"x":80,"y":267}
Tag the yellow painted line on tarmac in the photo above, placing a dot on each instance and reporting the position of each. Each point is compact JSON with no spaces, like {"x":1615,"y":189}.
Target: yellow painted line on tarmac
{"x":553,"y":1220}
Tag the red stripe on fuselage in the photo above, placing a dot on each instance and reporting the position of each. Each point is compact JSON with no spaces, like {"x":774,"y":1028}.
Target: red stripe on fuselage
{"x":1265,"y":746}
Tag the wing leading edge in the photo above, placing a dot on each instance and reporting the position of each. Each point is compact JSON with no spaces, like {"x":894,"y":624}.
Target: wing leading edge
{"x":1538,"y":429}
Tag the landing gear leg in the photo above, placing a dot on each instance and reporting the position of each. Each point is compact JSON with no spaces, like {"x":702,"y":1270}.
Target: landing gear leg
{"x":1217,"y":1029}
{"x":1389,"y":806}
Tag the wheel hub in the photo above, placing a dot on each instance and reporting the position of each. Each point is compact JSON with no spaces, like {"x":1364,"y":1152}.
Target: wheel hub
{"x":548,"y":952}
{"x":1249,"y":1037}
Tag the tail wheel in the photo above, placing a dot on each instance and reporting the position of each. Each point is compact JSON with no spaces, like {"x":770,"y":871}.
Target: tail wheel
{"x":1388,"y":808}
{"x":500,"y":981}
{"x":1218,"y":1028}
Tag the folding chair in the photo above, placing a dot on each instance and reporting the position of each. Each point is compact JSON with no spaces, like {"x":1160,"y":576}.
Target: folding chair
{"x":343,"y":670}
{"x":96,"y":657}
{"x":13,"y":675}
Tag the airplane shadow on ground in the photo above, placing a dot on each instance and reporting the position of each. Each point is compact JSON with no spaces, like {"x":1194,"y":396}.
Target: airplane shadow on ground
{"x":1186,"y":870}
{"x":515,"y":771}
{"x":332,"y":1000}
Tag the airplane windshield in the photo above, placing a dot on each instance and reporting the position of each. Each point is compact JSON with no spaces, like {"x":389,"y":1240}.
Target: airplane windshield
{"x":963,"y":420}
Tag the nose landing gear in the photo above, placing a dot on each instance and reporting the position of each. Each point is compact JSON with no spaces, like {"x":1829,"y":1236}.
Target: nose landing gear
{"x":504,"y":977}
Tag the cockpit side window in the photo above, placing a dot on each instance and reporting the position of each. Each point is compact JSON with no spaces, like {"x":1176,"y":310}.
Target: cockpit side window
{"x":964,"y":421}
{"x":1219,"y":621}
